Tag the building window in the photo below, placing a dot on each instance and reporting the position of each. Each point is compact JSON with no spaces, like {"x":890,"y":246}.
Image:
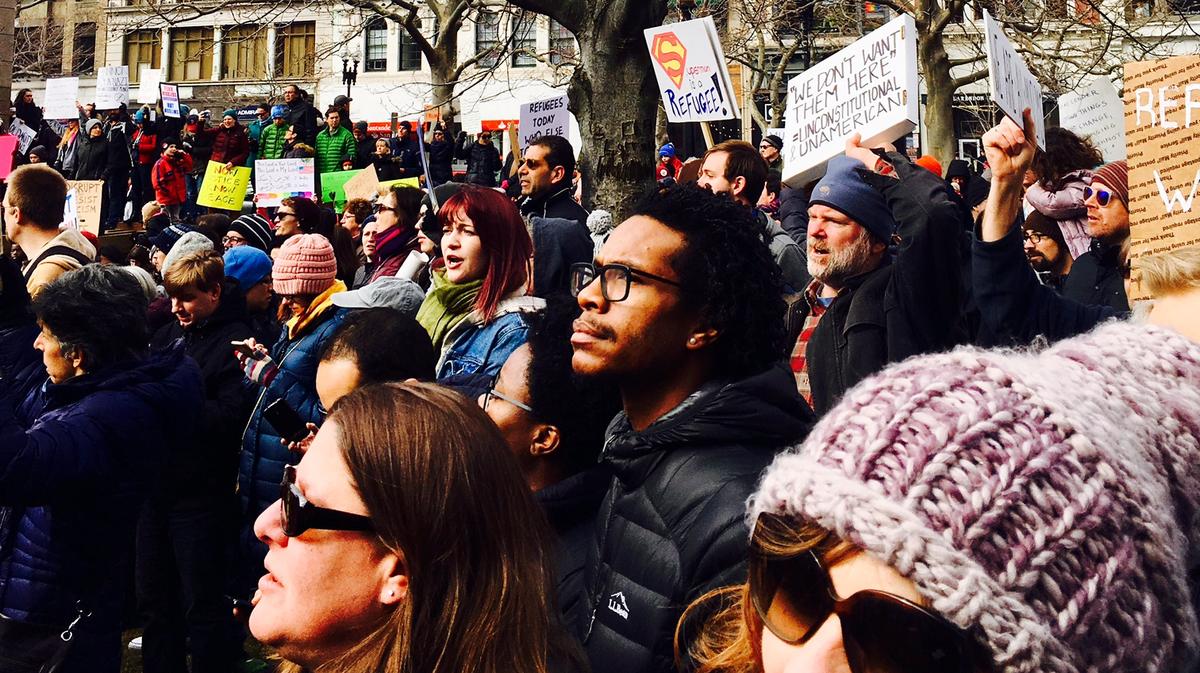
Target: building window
{"x":1139,"y":9}
{"x":376,"y":46}
{"x":562,"y":44}
{"x":410,"y":51}
{"x":294,"y":52}
{"x":143,"y":48}
{"x":244,"y":53}
{"x":487,"y":40}
{"x":83,"y":55}
{"x":191,"y":54}
{"x":524,"y":40}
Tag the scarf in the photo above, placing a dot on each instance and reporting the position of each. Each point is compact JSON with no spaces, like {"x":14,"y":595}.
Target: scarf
{"x":446,"y":305}
{"x":312,"y":315}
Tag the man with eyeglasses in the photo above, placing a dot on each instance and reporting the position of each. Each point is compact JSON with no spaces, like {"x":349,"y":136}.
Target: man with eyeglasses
{"x":682,"y":311}
{"x":1098,"y":275}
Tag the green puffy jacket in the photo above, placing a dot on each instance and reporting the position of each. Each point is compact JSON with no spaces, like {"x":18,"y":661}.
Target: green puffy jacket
{"x":270,"y":143}
{"x":331,"y":147}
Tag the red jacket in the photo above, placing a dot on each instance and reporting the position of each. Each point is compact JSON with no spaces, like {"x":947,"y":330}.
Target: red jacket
{"x":147,"y":147}
{"x":168,"y":178}
{"x":229,"y":145}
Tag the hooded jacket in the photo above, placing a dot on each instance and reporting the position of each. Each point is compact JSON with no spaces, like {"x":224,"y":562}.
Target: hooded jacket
{"x":558,"y":202}
{"x":557,"y":244}
{"x":169,"y":178}
{"x":671,"y":526}
{"x":75,"y":481}
{"x":91,"y":158}
{"x":53,"y":266}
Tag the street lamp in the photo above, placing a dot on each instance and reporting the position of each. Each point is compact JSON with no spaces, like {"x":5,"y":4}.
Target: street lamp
{"x":349,"y":74}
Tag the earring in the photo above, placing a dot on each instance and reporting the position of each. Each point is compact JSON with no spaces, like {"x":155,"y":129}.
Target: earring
{"x":692,"y":341}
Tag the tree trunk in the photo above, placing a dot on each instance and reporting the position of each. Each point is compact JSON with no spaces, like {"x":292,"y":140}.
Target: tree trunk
{"x":939,"y":101}
{"x":8,"y":18}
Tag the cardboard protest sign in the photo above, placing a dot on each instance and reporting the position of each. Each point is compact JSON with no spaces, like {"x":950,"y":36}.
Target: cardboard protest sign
{"x":544,"y":118}
{"x":170,"y":98}
{"x":1097,"y":112}
{"x":224,"y":188}
{"x":25,"y":135}
{"x":278,"y":179}
{"x":869,"y":88}
{"x":60,"y":97}
{"x":403,"y":182}
{"x":365,"y":185}
{"x":8,"y":145}
{"x":692,"y":75}
{"x":1162,"y":131}
{"x":148,"y":81}
{"x":85,"y":204}
{"x":333,"y":187}
{"x":112,"y":87}
{"x":1012,"y":86}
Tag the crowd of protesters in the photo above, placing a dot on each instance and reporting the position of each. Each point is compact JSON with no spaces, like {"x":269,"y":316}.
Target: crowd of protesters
{"x":473,"y":426}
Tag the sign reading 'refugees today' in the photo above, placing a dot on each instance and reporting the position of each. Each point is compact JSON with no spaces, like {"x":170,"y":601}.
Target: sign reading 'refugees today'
{"x":870,"y":87}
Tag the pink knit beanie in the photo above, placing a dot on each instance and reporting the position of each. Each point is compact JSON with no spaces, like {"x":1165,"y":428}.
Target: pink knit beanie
{"x":305,"y":265}
{"x":1048,"y":502}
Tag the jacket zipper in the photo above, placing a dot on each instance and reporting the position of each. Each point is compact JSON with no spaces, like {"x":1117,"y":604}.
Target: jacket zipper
{"x":595,"y":589}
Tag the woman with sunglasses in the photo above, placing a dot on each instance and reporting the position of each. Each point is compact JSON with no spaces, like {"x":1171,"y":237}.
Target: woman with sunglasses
{"x":395,"y":232}
{"x":411,"y":545}
{"x":983,"y":511}
{"x":472,"y":311}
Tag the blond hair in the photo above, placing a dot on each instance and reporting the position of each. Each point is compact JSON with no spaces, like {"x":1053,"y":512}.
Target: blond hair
{"x":202,"y":270}
{"x":1171,"y":272}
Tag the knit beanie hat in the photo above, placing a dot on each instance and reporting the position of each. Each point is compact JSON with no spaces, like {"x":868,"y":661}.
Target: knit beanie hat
{"x":305,"y":265}
{"x":1115,"y":176}
{"x":774,"y":141}
{"x":930,"y":163}
{"x":89,"y":125}
{"x":229,"y":113}
{"x":667,"y":150}
{"x":247,"y":265}
{"x":192,"y":241}
{"x":600,"y":222}
{"x":1046,"y":501}
{"x":844,"y":190}
{"x":255,"y":228}
{"x":278,"y":112}
{"x":144,"y":279}
{"x":41,"y":152}
{"x":169,"y":236}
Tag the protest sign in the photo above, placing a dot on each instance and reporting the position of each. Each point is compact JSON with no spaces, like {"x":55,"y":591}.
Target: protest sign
{"x":333,"y":187}
{"x":85,"y":205}
{"x":1097,"y":112}
{"x":544,"y":118}
{"x":869,"y":88}
{"x":693,"y":78}
{"x":365,"y":185}
{"x":170,"y":98}
{"x":8,"y":145}
{"x":1012,"y":86}
{"x":61,"y":94}
{"x":1162,"y":130}
{"x":224,"y":188}
{"x":278,"y":179}
{"x":403,"y":182}
{"x":25,"y":135}
{"x":472,"y":122}
{"x":70,"y":213}
{"x":112,"y":87}
{"x":148,"y":81}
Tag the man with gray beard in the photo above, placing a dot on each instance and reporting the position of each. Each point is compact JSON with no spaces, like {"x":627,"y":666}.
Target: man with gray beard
{"x":883,"y":254}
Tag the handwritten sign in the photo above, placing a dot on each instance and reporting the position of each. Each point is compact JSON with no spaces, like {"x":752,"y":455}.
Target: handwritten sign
{"x":83,"y":204}
{"x":472,"y":122}
{"x":112,"y":87}
{"x":1096,"y":112}
{"x":170,"y":99}
{"x":365,"y":185}
{"x":25,"y":135}
{"x":61,"y":94}
{"x":692,"y":75}
{"x":869,"y":88}
{"x":544,"y":118}
{"x":333,"y":187}
{"x":148,"y":81}
{"x":278,"y":179}
{"x":224,"y":188}
{"x":1012,"y":86}
{"x":1162,"y":128}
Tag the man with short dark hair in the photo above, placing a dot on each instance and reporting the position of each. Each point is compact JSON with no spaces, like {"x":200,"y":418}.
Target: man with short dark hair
{"x":33,"y":210}
{"x":682,"y":311}
{"x":301,"y":115}
{"x":545,"y":174}
{"x":406,"y":153}
{"x":333,"y":142}
{"x":374,"y":345}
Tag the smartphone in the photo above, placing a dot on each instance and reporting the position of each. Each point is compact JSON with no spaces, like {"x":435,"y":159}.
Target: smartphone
{"x":243,"y":348}
{"x":285,"y":419}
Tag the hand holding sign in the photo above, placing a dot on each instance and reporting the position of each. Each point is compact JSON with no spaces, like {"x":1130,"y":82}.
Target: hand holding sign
{"x":1010,"y":149}
{"x":1013,"y":87}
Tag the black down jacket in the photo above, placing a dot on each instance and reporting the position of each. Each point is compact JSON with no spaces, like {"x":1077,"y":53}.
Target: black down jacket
{"x":672,"y":525}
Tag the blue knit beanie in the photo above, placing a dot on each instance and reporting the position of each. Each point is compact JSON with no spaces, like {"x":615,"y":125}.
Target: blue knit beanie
{"x":278,"y":112}
{"x":247,"y":265}
{"x":844,"y":190}
{"x":667,"y":150}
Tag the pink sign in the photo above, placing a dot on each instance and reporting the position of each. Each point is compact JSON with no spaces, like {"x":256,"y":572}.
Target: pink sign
{"x":8,"y":145}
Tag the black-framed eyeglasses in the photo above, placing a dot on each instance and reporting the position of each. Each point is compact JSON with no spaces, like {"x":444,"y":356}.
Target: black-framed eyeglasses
{"x":492,"y":392}
{"x":1103,"y":196}
{"x":279,"y":215}
{"x":300,"y":515}
{"x":1035,"y":237}
{"x":615,"y":279}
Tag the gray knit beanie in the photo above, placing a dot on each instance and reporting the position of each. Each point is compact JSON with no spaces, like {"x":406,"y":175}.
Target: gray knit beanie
{"x":1047,"y":501}
{"x":192,"y":241}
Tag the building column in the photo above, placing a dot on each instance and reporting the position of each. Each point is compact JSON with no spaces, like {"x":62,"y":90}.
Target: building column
{"x":218,"y":53}
{"x":164,"y":58}
{"x":272,"y":37}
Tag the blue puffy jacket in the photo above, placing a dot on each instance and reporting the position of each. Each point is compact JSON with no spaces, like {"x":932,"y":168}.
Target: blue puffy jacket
{"x":74,"y":482}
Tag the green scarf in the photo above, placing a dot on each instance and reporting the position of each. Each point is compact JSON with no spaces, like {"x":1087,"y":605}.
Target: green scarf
{"x":446,"y":305}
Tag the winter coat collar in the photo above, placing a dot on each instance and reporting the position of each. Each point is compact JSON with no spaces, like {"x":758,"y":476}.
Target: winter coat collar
{"x":150,"y":370}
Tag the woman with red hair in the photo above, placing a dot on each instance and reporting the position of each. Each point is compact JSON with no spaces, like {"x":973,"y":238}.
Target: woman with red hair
{"x":472,"y":311}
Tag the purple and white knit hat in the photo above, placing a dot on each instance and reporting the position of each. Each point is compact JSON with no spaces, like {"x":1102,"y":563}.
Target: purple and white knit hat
{"x":1047,"y":501}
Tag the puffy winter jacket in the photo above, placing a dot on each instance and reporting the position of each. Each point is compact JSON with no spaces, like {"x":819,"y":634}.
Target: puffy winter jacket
{"x":331,"y":147}
{"x":482,"y":162}
{"x":76,"y":479}
{"x":441,"y":156}
{"x":146,"y":144}
{"x":229,"y":145}
{"x":270,"y":143}
{"x":91,"y":158}
{"x":1096,"y":277}
{"x":672,"y":525}
{"x":169,"y":178}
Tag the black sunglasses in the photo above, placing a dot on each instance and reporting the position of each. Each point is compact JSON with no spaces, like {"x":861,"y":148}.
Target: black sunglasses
{"x":882,"y":633}
{"x":1103,"y":196}
{"x":615,"y":279}
{"x":379,"y":208}
{"x":300,"y":515}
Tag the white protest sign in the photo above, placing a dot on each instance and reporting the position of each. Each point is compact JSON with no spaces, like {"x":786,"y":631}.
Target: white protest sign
{"x":112,"y":87}
{"x":148,"y":82}
{"x":278,"y":179}
{"x":61,"y":94}
{"x":1098,"y":112}
{"x":170,"y":100}
{"x":693,"y":78}
{"x":70,"y":211}
{"x":25,"y":135}
{"x":870,"y":87}
{"x":544,"y":118}
{"x":472,"y":121}
{"x":1012,"y":86}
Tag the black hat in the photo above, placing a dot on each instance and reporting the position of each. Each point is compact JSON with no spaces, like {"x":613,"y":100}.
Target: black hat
{"x":341,"y":100}
{"x":774,"y":141}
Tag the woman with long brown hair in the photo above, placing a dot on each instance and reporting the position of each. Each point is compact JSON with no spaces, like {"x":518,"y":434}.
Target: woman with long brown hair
{"x":406,"y":540}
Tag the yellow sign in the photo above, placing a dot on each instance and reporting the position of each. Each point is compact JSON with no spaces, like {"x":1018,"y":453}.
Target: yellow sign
{"x":224,"y":188}
{"x":402,"y":182}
